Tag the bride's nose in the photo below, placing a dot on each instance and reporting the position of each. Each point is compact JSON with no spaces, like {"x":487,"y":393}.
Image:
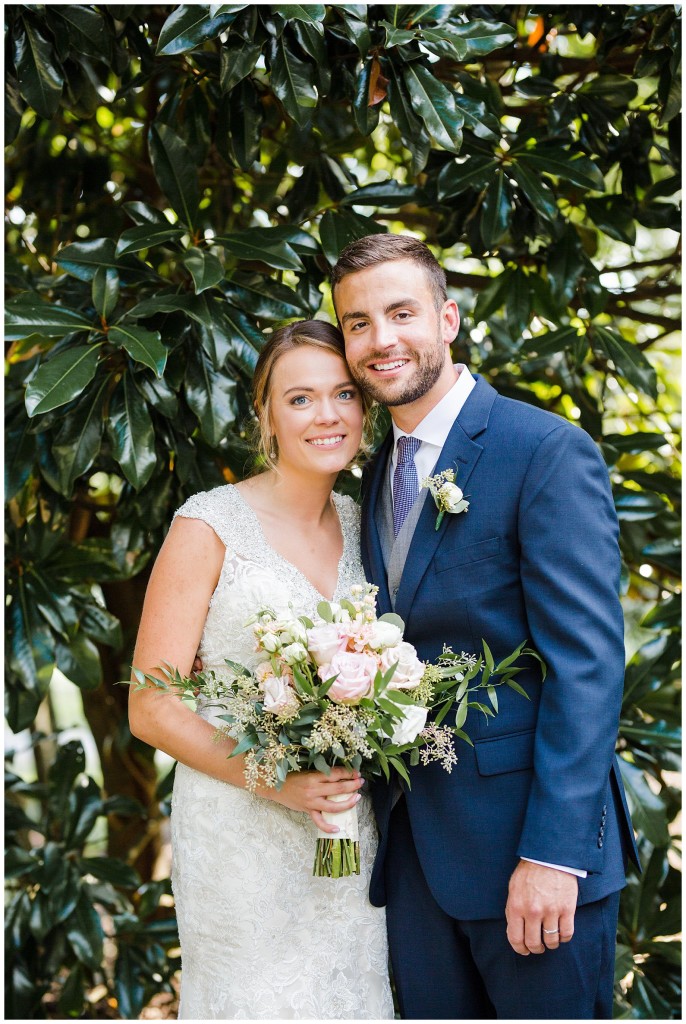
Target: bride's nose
{"x":327,"y":411}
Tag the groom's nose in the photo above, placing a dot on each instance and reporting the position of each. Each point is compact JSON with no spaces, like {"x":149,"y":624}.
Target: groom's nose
{"x":383,"y":335}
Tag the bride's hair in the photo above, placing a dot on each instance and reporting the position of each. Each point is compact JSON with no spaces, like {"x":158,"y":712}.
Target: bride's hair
{"x":318,"y":334}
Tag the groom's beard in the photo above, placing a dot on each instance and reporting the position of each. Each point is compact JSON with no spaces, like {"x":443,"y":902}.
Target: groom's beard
{"x":428,"y":366}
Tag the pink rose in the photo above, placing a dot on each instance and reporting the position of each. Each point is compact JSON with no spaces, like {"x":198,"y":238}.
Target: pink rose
{"x":323,"y":642}
{"x":409,"y":670}
{"x":355,"y":676}
{"x":277,"y":693}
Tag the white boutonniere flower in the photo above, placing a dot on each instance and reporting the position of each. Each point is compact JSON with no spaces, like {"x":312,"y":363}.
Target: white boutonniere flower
{"x":447,"y":495}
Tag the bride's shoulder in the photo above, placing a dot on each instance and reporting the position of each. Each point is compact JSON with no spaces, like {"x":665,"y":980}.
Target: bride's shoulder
{"x":348,"y":510}
{"x":207,"y":504}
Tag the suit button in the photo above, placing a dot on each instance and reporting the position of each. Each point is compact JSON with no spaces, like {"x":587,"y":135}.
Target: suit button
{"x":601,"y":831}
{"x":600,"y":843}
{"x":605,"y":810}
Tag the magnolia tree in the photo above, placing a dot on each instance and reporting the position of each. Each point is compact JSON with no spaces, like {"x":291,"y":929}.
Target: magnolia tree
{"x":179,"y":181}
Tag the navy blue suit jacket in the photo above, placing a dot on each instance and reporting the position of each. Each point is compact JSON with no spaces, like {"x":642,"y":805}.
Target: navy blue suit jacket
{"x":534,"y":557}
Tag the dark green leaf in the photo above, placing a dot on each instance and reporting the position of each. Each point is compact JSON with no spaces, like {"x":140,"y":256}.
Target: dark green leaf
{"x":110,"y":870}
{"x":26,"y":315}
{"x":176,"y":172}
{"x":475,"y":38}
{"x":560,"y":163}
{"x":39,"y":74}
{"x":647,"y":809}
{"x":338,"y":227}
{"x":82,"y":259}
{"x":435,"y":104}
{"x":460,"y":175}
{"x":496,"y":211}
{"x":78,"y":440}
{"x":212,"y":397}
{"x":536,"y":191}
{"x":628,"y":359}
{"x":131,"y":431}
{"x":205,"y":269}
{"x":62,"y":378}
{"x":614,"y":215}
{"x":292,"y":81}
{"x":237,"y":60}
{"x":189,"y":25}
{"x":100,"y":625}
{"x":387,"y":194}
{"x":85,"y":933}
{"x":263,"y":298}
{"x":246,"y":119}
{"x":564,"y":265}
{"x":256,"y":245}
{"x":87,"y":32}
{"x":79,"y":661}
{"x":143,"y":346}
{"x":411,"y":128}
{"x":312,"y":13}
{"x":105,"y":291}
{"x":146,"y":236}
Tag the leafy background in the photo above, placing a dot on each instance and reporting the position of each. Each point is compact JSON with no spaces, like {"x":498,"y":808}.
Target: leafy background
{"x":179,"y":180}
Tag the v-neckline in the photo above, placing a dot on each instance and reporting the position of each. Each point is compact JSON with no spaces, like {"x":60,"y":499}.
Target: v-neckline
{"x":287,"y":561}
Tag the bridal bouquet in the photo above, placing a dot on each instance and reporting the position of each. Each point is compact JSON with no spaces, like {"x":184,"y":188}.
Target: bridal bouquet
{"x":346,"y":690}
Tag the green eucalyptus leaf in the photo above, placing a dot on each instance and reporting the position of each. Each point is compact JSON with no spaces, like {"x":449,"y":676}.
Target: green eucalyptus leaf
{"x":62,"y":378}
{"x":131,"y":433}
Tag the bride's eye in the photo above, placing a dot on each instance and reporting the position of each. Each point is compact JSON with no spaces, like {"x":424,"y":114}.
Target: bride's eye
{"x":348,"y":394}
{"x":300,"y":400}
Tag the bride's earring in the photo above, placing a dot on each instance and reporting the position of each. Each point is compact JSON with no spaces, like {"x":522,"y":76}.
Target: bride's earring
{"x":272,"y":447}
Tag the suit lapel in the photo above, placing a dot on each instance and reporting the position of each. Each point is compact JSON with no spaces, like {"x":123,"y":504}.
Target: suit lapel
{"x":372,"y":553}
{"x":459,"y":452}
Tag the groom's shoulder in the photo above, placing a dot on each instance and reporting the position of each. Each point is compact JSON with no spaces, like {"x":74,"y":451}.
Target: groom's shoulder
{"x":527,"y":420}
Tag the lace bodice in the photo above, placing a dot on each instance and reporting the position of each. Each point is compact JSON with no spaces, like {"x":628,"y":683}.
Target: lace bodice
{"x":255,"y":576}
{"x":260,"y":937}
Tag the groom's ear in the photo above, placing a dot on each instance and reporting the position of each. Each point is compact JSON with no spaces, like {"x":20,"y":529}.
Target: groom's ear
{"x":450,"y":320}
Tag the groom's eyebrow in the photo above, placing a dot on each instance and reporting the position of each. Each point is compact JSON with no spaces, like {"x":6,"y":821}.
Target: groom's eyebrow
{"x":359,"y":315}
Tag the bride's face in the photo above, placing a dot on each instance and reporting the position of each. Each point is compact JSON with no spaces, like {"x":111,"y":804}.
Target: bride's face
{"x":316,"y":410}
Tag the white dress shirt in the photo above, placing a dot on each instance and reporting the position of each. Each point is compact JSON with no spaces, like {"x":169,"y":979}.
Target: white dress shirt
{"x":433,"y":432}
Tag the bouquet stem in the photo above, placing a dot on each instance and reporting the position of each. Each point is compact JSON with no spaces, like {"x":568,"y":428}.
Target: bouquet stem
{"x":338,"y":856}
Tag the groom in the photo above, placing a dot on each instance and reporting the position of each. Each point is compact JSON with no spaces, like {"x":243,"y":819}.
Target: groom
{"x":501,"y":879}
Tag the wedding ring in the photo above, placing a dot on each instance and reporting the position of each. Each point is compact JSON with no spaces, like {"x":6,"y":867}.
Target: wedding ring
{"x":551,"y":931}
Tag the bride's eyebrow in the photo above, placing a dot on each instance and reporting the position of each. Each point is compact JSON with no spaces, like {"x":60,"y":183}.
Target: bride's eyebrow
{"x":337,"y":387}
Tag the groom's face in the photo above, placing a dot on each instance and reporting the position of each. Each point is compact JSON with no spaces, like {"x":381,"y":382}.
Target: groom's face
{"x":396,"y":342}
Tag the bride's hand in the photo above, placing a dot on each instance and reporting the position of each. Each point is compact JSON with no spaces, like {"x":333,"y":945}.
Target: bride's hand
{"x":308,"y":791}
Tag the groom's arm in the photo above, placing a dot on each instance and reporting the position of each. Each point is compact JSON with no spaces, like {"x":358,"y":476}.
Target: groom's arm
{"x":570,"y":574}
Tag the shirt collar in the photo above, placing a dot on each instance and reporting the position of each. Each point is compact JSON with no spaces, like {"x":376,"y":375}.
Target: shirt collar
{"x":438,"y":422}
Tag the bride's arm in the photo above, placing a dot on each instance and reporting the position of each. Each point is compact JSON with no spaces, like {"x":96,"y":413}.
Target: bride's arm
{"x":177,"y":598}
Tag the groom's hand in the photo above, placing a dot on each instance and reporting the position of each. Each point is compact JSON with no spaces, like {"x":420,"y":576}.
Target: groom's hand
{"x":540,"y":908}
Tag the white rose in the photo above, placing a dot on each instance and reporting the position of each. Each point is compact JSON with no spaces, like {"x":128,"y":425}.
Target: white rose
{"x":384,"y":634}
{"x":451,"y":498}
{"x":339,"y":614}
{"x":293,"y":654}
{"x":410,"y":725}
{"x":277,"y":693}
{"x":270,"y":642}
{"x":292,"y":632}
{"x":409,"y":670}
{"x":323,"y":642}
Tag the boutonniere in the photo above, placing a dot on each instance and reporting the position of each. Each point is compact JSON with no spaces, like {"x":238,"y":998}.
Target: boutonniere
{"x":447,"y":495}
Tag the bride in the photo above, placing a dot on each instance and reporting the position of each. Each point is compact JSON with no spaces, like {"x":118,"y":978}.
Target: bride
{"x":260,"y":937}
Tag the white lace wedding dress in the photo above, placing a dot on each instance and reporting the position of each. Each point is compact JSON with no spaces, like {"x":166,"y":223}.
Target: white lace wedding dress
{"x":260,"y":937}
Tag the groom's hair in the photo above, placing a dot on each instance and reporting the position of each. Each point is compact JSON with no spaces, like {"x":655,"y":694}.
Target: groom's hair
{"x":372,"y":249}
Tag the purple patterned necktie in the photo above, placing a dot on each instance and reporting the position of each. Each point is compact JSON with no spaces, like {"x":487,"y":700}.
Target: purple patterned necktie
{"x":405,"y":482}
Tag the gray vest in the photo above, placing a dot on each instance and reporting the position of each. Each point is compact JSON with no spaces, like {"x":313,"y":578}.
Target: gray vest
{"x":395,"y":549}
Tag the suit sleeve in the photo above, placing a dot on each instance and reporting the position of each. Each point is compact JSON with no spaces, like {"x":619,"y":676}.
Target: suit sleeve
{"x":570,"y":568}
